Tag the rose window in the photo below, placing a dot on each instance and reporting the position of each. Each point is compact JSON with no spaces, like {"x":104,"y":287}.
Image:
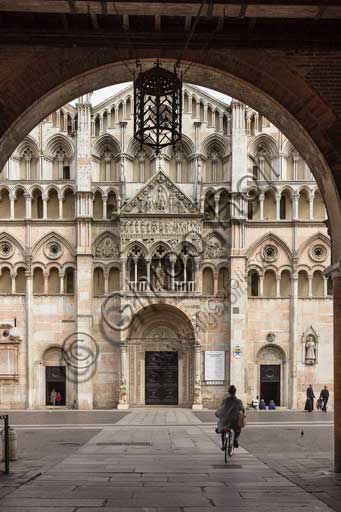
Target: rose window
{"x":270,"y":252}
{"x":53,"y":250}
{"x":318,"y":252}
{"x":6,"y":249}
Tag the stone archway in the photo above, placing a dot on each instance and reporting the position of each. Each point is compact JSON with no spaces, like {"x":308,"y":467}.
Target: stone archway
{"x":262,"y":79}
{"x":272,"y":374}
{"x":159,"y":329}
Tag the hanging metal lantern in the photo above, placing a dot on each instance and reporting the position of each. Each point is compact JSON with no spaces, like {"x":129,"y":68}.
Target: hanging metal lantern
{"x":157,"y":108}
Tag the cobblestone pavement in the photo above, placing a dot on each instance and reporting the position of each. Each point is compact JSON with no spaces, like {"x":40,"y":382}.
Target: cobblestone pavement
{"x":150,"y":465}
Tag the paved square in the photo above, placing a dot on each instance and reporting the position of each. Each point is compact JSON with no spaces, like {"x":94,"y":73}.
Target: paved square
{"x":154,"y":461}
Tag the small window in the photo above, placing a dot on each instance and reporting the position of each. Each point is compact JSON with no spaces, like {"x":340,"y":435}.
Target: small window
{"x":66,"y":172}
{"x":283,"y":208}
{"x":250,"y":210}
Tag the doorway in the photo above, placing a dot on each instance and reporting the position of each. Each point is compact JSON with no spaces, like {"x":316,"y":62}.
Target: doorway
{"x":56,"y":379}
{"x":270,"y":383}
{"x":161,"y":378}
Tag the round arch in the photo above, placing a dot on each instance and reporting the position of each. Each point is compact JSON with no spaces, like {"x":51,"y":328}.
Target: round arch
{"x":159,"y":367}
{"x":272,"y":374}
{"x":253,"y":77}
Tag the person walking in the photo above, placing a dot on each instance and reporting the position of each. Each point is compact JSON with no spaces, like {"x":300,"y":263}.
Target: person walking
{"x":324,"y":396}
{"x":53,"y":396}
{"x":309,"y":405}
{"x":228,"y":415}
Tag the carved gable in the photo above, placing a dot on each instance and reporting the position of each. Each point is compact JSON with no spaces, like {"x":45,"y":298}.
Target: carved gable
{"x":160,"y":196}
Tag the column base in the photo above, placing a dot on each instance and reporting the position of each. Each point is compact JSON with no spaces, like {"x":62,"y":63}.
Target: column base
{"x":197,"y":407}
{"x":122,"y":407}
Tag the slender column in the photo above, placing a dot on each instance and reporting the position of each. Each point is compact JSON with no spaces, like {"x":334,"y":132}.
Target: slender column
{"x":148,"y":263}
{"x":44,"y":198}
{"x":197,"y":398}
{"x":46,"y":283}
{"x":205,"y":113}
{"x":106,"y":282}
{"x":185,"y":259}
{"x":278,"y":206}
{"x":107,"y":168}
{"x":311,"y":206}
{"x":123,"y":399}
{"x":261,"y":285}
{"x":135,"y":259}
{"x":293,"y":343}
{"x":61,"y":282}
{"x":28,"y":333}
{"x":261,"y":205}
{"x":278,"y":285}
{"x":295,"y":199}
{"x":12,"y":199}
{"x":216,"y":206}
{"x":101,"y":124}
{"x":172,"y":259}
{"x":215,"y":282}
{"x":337,"y":368}
{"x":28,"y":159}
{"x":60,"y":204}
{"x":28,"y":206}
{"x":296,"y":160}
{"x":12,"y":282}
{"x":310,"y":286}
{"x":325,"y":287}
{"x":221,"y":122}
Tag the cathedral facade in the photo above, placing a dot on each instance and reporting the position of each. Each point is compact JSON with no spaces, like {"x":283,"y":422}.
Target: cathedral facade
{"x":131,"y":279}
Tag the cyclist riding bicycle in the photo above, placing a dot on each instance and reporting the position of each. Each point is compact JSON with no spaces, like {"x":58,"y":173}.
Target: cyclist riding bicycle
{"x":228,"y":416}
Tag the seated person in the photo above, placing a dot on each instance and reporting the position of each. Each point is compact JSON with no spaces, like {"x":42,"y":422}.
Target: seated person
{"x":262,"y":405}
{"x":272,"y":405}
{"x":255,"y":402}
{"x":228,"y":414}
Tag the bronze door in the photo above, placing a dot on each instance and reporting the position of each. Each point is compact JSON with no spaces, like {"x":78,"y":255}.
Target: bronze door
{"x":161,"y":377}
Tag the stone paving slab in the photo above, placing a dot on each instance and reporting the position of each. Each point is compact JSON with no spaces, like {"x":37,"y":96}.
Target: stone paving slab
{"x":181,"y":470}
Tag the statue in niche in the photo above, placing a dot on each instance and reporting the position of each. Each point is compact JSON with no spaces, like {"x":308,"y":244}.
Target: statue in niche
{"x":160,"y":275}
{"x":161,"y":199}
{"x":310,"y":350}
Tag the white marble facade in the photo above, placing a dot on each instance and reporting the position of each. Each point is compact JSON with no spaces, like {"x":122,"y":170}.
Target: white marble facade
{"x":108,"y":251}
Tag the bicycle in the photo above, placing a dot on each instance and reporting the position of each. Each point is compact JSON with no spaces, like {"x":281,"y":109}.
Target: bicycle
{"x":228,"y":442}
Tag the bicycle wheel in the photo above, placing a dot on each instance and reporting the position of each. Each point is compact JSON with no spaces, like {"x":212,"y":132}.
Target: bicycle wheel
{"x":225,"y":446}
{"x":230,"y":444}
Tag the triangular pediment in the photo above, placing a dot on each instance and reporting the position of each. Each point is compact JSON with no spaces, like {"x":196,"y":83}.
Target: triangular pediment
{"x":160,"y":196}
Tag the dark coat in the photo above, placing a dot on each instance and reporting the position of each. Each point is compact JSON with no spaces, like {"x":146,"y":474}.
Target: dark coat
{"x":324,"y":395}
{"x":310,"y":393}
{"x":228,"y":413}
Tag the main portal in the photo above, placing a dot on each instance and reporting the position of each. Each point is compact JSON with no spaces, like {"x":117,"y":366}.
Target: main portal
{"x":161,"y":379}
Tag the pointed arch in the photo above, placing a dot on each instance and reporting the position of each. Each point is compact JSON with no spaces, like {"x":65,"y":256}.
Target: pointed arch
{"x":10,"y":238}
{"x":52,"y":236}
{"x":57,"y":142}
{"x":216,"y":141}
{"x":265,"y":140}
{"x":270,"y":237}
{"x":314,"y":238}
{"x":106,"y":142}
